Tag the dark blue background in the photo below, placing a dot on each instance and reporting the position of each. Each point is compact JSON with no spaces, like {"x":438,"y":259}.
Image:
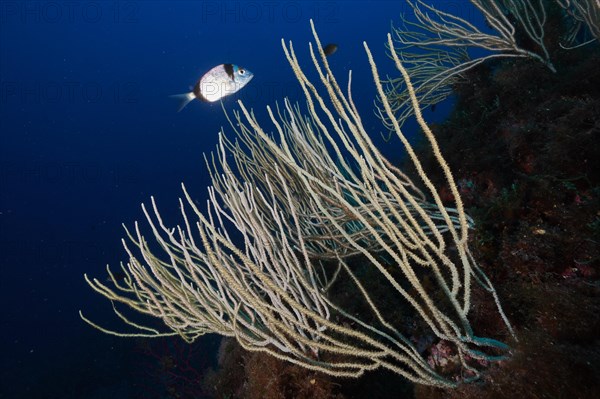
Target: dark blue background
{"x":88,"y":133}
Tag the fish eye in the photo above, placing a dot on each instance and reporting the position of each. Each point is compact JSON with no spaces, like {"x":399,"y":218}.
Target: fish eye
{"x":242,"y":72}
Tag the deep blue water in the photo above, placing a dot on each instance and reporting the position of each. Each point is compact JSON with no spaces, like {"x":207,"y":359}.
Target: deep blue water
{"x":88,"y":132}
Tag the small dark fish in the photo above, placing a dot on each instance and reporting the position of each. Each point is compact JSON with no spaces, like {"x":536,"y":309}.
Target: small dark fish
{"x":432,"y":107}
{"x":330,"y":49}
{"x":223,"y":80}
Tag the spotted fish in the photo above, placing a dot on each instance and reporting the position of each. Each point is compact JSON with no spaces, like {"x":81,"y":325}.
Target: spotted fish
{"x":219,"y":82}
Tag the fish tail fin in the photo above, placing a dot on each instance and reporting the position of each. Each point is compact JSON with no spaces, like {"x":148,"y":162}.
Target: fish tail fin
{"x":184,"y":99}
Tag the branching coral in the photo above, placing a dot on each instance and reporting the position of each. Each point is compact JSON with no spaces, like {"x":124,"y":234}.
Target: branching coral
{"x":253,"y":265}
